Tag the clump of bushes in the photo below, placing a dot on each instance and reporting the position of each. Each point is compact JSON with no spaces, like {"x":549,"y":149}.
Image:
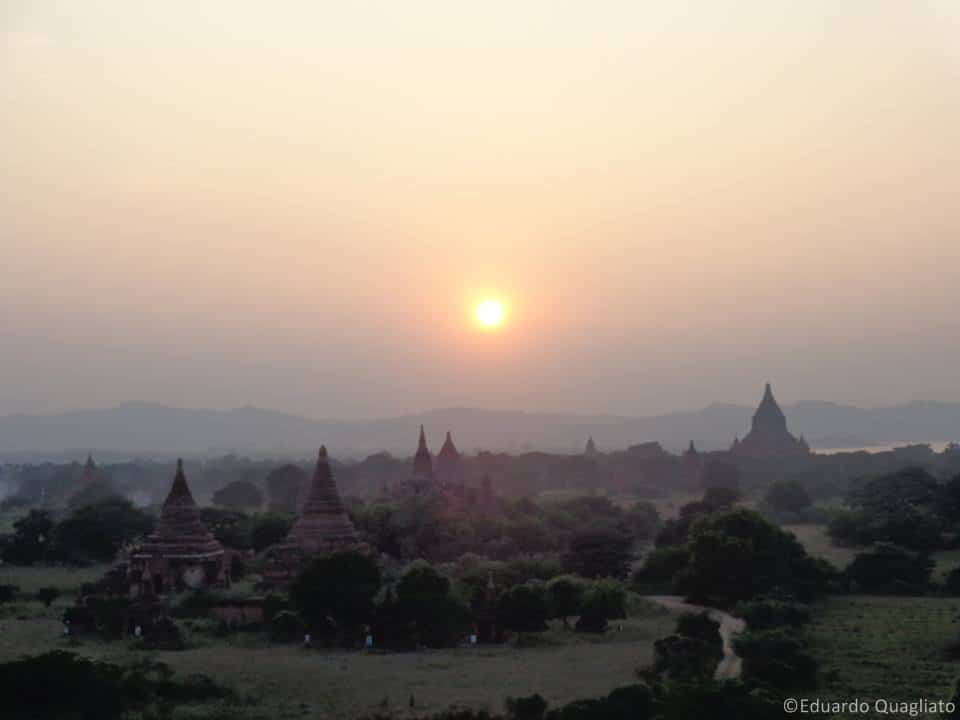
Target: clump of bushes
{"x":766,"y":613}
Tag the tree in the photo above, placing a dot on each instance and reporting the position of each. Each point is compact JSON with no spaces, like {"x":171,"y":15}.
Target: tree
{"x":720,"y":473}
{"x":420,"y":609}
{"x":31,"y":539}
{"x":642,"y":520}
{"x":48,"y":595}
{"x":604,"y":600}
{"x":98,"y":491}
{"x":788,"y":496}
{"x":599,"y":553}
{"x":776,"y":658}
{"x":949,"y":504}
{"x":769,"y":612}
{"x":533,"y":707}
{"x":565,"y":597}
{"x":283,"y":487}
{"x":691,"y":653}
{"x":269,"y":529}
{"x":238,"y":495}
{"x":737,"y":554}
{"x":232,"y":528}
{"x":531,"y":535}
{"x":891,"y":569}
{"x":340,"y":587}
{"x":720,"y":498}
{"x":97,"y":532}
{"x":676,"y":531}
{"x":911,"y":487}
{"x":523,"y":608}
{"x":8,"y":593}
{"x":662,"y":565}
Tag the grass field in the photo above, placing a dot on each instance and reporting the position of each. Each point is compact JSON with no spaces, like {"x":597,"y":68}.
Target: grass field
{"x":292,"y":682}
{"x":885,"y":647}
{"x":818,"y":544}
{"x":7,"y":519}
{"x":66,"y":579}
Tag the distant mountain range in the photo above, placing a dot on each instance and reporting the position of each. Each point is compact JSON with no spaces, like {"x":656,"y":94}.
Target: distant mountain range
{"x":150,"y":430}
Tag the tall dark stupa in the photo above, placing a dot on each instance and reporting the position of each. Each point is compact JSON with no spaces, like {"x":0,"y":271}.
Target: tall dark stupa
{"x":181,"y":553}
{"x":768,"y":436}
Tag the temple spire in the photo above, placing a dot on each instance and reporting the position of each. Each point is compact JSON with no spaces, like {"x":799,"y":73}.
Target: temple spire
{"x":180,"y":489}
{"x":323,"y":521}
{"x":591,"y":448}
{"x":422,"y":462}
{"x":769,"y":436}
{"x":448,"y":447}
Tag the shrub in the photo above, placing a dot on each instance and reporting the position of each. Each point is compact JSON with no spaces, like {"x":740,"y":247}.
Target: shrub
{"x":523,"y":608}
{"x":662,"y":565}
{"x":532,"y":707}
{"x":788,"y":496}
{"x":8,"y":593}
{"x":766,"y":613}
{"x":48,"y":595}
{"x":891,"y":569}
{"x":565,"y":596}
{"x":286,"y":626}
{"x":776,"y":658}
{"x":604,"y":600}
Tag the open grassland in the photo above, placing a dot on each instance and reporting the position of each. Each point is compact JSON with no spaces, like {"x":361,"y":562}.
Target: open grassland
{"x":7,"y":519}
{"x":885,"y":647}
{"x":291,"y":682}
{"x":64,"y":578}
{"x":818,"y":544}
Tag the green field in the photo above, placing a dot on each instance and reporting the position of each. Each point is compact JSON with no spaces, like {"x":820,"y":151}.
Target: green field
{"x":293,"y":682}
{"x":66,"y":579}
{"x":818,"y":544}
{"x":885,"y":647}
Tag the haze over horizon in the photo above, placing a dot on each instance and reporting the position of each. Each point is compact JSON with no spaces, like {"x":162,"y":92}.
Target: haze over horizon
{"x":299,"y":208}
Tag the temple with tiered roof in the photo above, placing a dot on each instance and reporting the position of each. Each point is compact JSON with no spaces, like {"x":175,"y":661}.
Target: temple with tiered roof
{"x":768,"y":436}
{"x":181,"y":553}
{"x":323,"y":523}
{"x":322,"y":527}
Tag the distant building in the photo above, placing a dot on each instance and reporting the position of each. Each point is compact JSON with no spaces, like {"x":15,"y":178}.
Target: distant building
{"x":449,"y":465}
{"x":444,"y":479}
{"x":591,"y":450}
{"x":768,"y":436}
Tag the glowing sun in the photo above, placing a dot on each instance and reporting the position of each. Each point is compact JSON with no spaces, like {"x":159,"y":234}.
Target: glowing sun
{"x":490,"y":314}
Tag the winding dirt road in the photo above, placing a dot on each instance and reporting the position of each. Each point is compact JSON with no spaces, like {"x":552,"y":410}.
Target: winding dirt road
{"x":731,"y":665}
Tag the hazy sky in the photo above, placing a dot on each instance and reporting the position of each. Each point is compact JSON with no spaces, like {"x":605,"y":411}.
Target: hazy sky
{"x":296,"y":204}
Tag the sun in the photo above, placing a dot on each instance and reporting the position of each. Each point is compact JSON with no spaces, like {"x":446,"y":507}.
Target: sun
{"x":490,"y":313}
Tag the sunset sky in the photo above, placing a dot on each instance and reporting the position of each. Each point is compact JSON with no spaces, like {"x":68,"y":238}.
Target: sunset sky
{"x":299,"y":205}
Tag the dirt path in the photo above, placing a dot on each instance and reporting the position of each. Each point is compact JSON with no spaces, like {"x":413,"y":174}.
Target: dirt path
{"x":731,"y":664}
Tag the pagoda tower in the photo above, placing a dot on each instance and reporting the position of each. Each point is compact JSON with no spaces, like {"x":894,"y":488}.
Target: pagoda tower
{"x":422,"y":462}
{"x":89,"y":471}
{"x":323,"y":523}
{"x":768,"y":436}
{"x":591,"y":450}
{"x":449,"y":470}
{"x":323,"y":527}
{"x":422,"y":480}
{"x":180,"y":553}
